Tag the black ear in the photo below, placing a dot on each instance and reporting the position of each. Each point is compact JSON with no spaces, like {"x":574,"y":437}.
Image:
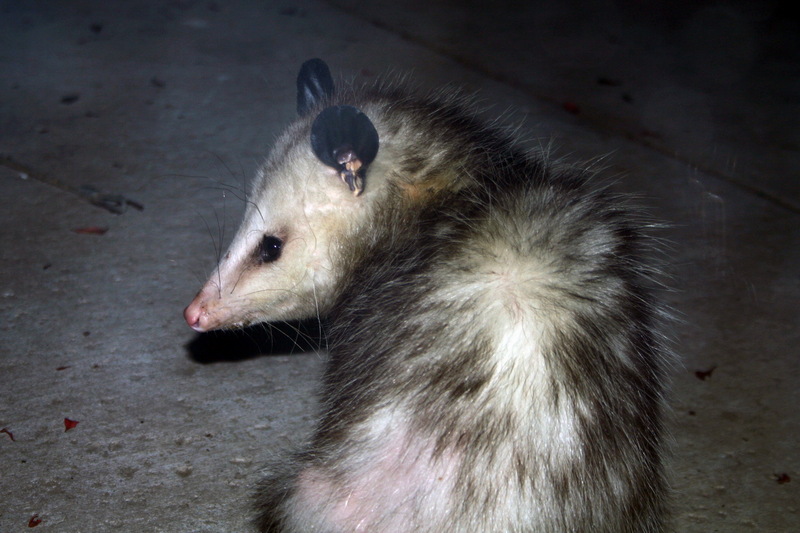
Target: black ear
{"x":314,"y":83}
{"x":344,"y":138}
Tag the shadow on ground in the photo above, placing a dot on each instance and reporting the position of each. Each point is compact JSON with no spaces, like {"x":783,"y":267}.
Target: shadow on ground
{"x":256,"y":341}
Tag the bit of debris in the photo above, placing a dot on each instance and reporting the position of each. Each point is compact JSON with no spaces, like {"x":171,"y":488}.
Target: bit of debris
{"x":782,"y":478}
{"x":608,"y":82}
{"x":70,"y":98}
{"x":702,"y":375}
{"x":69,"y":424}
{"x":34,"y":521}
{"x":571,"y":107}
{"x":8,"y":432}
{"x":91,"y":230}
{"x":114,"y":203}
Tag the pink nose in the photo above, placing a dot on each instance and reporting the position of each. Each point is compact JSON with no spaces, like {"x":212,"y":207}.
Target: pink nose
{"x":194,"y":314}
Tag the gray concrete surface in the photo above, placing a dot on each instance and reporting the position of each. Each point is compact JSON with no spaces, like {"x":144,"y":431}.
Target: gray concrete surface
{"x":173,"y":104}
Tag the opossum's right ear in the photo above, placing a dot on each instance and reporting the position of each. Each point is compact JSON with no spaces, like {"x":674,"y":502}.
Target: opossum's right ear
{"x":314,"y":83}
{"x":345,"y":139}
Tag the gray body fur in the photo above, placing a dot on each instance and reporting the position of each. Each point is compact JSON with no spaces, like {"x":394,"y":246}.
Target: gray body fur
{"x":495,"y":362}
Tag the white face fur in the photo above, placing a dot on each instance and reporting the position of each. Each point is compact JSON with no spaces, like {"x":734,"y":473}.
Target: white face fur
{"x":306,"y":203}
{"x":281,"y":263}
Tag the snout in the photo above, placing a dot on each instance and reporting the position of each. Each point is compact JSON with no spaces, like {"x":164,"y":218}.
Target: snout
{"x":194,"y":314}
{"x":199,"y":314}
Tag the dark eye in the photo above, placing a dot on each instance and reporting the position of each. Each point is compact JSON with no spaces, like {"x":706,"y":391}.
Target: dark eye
{"x":270,"y":249}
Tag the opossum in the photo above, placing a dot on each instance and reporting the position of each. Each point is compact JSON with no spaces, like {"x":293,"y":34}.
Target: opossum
{"x":496,"y":362}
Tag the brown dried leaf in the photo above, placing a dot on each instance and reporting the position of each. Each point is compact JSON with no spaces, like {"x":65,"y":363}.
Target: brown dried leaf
{"x":91,"y":230}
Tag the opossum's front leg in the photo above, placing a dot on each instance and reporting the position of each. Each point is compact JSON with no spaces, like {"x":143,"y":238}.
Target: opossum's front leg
{"x":271,"y":502}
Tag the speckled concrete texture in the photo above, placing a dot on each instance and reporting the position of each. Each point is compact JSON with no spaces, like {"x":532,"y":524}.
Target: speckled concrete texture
{"x":173,"y":105}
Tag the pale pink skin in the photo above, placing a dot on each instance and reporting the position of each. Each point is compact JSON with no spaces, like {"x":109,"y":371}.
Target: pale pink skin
{"x":196,"y":315}
{"x":397,"y":486}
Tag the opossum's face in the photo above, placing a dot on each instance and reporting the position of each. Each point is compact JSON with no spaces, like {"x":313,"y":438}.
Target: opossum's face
{"x":282,"y":263}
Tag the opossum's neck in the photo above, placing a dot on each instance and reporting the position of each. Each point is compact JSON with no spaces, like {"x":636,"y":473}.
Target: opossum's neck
{"x":437,"y":165}
{"x":439,"y":147}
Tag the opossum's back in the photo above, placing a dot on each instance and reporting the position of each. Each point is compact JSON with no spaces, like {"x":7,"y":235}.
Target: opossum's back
{"x":510,"y":328}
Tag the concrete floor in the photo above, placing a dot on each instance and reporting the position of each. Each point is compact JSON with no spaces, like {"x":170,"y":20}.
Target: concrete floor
{"x":173,"y":104}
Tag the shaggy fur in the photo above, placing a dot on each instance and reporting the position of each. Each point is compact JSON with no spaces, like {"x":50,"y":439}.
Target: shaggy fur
{"x":495,"y":363}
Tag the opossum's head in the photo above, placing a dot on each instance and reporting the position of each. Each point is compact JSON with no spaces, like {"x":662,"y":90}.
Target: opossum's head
{"x":307,"y":199}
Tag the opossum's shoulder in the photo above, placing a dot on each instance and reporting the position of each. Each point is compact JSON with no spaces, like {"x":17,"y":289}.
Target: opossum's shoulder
{"x":562,"y":224}
{"x":568,"y":207}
